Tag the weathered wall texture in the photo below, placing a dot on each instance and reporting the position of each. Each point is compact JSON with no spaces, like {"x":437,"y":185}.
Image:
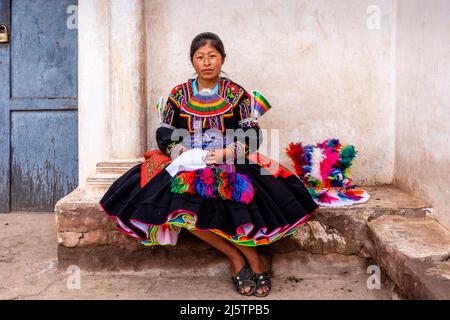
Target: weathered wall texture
{"x":423,"y":102}
{"x":326,"y":73}
{"x":323,"y":70}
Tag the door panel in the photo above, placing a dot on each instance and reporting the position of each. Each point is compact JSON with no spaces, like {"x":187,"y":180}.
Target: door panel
{"x":43,"y":53}
{"x":38,"y":105}
{"x":42,"y":162}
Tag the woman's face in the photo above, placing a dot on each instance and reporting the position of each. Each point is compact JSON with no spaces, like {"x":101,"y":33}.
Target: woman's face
{"x":207,"y":62}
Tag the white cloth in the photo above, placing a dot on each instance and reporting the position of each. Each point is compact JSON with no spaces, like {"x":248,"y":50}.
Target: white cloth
{"x":188,"y":161}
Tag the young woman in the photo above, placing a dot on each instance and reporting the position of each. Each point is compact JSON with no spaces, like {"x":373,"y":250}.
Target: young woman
{"x":222,"y":197}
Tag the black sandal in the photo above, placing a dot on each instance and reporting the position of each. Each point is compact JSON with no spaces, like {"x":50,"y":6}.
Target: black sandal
{"x":263,"y":280}
{"x":245,"y":278}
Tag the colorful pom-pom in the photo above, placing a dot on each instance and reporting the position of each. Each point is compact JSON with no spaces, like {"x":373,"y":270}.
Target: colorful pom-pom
{"x":212,"y":182}
{"x":325,"y":169}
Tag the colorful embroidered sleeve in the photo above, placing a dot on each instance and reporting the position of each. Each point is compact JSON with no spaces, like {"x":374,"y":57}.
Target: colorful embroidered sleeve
{"x":170,"y":122}
{"x":249,"y":136}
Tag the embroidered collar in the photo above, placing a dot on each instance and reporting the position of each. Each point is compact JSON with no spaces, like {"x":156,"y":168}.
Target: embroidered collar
{"x":206,"y":105}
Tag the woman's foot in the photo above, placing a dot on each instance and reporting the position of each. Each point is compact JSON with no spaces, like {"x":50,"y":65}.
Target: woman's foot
{"x":263,"y":282}
{"x":242,"y":276}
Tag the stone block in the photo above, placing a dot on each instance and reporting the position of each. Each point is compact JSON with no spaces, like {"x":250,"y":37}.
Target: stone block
{"x":415,"y":253}
{"x":88,"y":236}
{"x":344,"y":230}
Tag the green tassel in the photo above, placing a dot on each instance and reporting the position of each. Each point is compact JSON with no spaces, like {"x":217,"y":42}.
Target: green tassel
{"x":315,"y":183}
{"x":313,"y":193}
{"x":177,"y":186}
{"x":219,"y":183}
{"x":347,"y":154}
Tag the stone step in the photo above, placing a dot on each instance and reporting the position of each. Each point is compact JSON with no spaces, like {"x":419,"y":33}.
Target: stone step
{"x":331,"y":230}
{"x":415,"y":253}
{"x":115,"y":168}
{"x":88,"y":237}
{"x":100,"y":184}
{"x":107,"y":172}
{"x":344,"y":230}
{"x":81,"y":222}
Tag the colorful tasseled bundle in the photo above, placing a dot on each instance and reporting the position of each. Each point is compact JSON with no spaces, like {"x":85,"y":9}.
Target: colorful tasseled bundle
{"x":325,"y":170}
{"x":214,"y":182}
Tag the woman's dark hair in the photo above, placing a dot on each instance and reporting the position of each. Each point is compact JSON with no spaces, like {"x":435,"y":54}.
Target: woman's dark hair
{"x":205,"y":37}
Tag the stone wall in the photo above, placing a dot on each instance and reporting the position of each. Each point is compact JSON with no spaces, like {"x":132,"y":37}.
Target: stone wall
{"x":423,"y":102}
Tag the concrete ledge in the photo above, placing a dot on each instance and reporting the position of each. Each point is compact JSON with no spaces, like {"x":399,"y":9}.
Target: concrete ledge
{"x":85,"y":229}
{"x":81,"y":223}
{"x":415,"y":253}
{"x":392,"y":228}
{"x":344,"y":230}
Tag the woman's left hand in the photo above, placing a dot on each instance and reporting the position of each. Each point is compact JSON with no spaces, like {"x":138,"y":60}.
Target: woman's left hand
{"x":215,"y":156}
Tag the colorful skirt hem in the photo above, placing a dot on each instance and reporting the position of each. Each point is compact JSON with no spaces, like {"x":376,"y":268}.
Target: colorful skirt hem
{"x":167,"y":233}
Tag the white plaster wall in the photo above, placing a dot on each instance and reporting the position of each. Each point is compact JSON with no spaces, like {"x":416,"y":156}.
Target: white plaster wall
{"x":423,"y":102}
{"x":325,"y":73}
{"x":93,"y":86}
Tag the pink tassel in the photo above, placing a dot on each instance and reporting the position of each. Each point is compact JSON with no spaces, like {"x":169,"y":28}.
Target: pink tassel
{"x":326,"y":198}
{"x":326,"y":166}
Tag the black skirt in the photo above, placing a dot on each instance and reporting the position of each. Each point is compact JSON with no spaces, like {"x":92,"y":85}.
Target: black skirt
{"x":153,"y":214}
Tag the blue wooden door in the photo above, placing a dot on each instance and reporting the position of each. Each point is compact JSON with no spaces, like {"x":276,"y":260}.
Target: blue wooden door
{"x":38,"y":104}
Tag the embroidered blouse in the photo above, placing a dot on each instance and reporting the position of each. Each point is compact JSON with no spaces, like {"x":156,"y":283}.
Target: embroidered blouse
{"x":206,"y":118}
